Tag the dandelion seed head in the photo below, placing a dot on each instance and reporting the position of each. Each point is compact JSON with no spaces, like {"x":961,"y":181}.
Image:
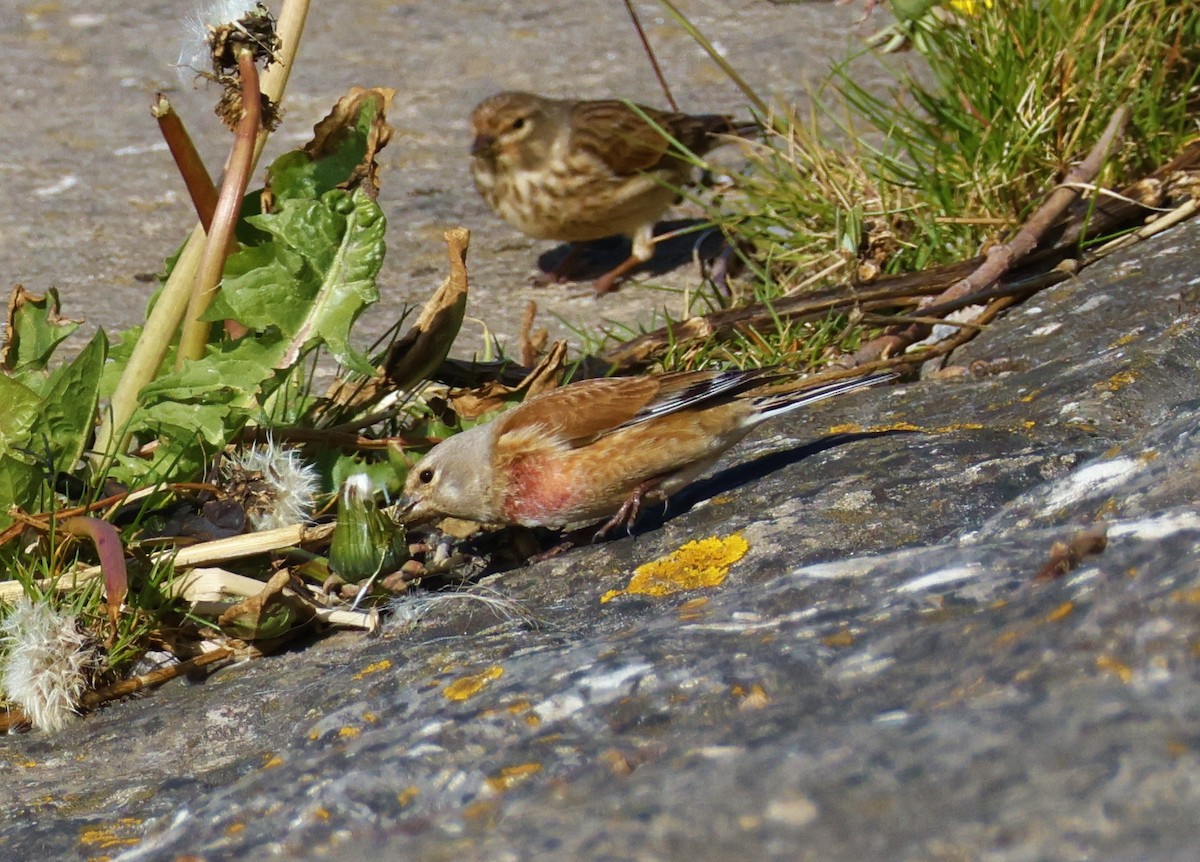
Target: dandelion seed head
{"x":358,"y":484}
{"x":195,"y":55}
{"x":413,"y":607}
{"x":273,"y":483}
{"x":46,"y":663}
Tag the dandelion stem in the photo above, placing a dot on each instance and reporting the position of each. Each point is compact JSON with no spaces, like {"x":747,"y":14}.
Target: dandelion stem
{"x":194,"y":339}
{"x":159,"y":332}
{"x":191,"y":167}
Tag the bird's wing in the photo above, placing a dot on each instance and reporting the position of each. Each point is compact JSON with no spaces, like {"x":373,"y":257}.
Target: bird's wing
{"x":576,"y":414}
{"x":685,"y":390}
{"x":614,"y":133}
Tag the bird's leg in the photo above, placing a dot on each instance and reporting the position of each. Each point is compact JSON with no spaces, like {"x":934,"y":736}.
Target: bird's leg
{"x":607,"y":283}
{"x":627,"y":514}
{"x":643,"y":250}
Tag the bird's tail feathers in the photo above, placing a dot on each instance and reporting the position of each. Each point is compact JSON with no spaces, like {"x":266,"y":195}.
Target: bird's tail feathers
{"x":771,"y":405}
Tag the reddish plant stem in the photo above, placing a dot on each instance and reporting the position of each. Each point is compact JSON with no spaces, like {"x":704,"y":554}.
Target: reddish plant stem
{"x":229,"y":203}
{"x":112,"y":559}
{"x":195,"y":175}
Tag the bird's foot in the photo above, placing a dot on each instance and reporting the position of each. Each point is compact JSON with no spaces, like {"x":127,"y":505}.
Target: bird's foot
{"x":628,"y":513}
{"x":612,"y":279}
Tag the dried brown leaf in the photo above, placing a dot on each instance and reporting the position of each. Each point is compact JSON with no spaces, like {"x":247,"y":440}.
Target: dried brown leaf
{"x":532,"y":341}
{"x":343,"y":117}
{"x":494,"y":395}
{"x":416,"y":355}
{"x":276,"y":611}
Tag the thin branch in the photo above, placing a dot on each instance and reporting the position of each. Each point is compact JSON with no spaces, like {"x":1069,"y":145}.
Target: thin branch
{"x":1000,"y":258}
{"x":125,"y":687}
{"x":658,"y":73}
{"x":715,"y":55}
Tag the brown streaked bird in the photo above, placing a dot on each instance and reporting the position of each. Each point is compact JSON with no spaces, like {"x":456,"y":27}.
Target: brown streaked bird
{"x":572,"y":170}
{"x":594,"y":449}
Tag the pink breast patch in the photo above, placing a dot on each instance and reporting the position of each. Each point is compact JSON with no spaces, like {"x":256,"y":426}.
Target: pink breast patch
{"x":540,"y":492}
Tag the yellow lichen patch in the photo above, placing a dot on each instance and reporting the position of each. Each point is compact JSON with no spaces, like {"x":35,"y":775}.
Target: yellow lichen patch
{"x":469,"y":686}
{"x":1117,"y":382}
{"x":1190,"y":596}
{"x":907,"y":426}
{"x":1029,"y":396}
{"x":1127,"y":338}
{"x":321,"y":813}
{"x":518,"y":706}
{"x":406,"y":796}
{"x":511,"y":776}
{"x":692,"y":609}
{"x":1147,"y":456}
{"x":1114,"y":666}
{"x":755,"y":698}
{"x":112,"y":836}
{"x":1005,"y":638}
{"x":376,"y":667}
{"x":1177,"y":748}
{"x":483,"y":811}
{"x":721,"y":499}
{"x":370,"y":717}
{"x":272,"y":761}
{"x":1061,"y":612}
{"x":235,"y":828}
{"x":697,"y":565}
{"x":843,"y":637}
{"x":349,"y":732}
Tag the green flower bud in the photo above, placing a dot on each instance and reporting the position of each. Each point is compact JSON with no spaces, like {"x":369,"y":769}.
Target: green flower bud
{"x":366,"y":541}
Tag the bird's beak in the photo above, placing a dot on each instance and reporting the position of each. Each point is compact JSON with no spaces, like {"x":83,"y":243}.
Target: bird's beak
{"x":408,"y":510}
{"x":405,"y":506}
{"x":482,"y":145}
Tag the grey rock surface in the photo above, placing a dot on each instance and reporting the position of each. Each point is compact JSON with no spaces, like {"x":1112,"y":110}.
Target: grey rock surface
{"x":881,"y":677}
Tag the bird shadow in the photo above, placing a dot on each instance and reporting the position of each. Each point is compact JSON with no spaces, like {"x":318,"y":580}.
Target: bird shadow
{"x":731,"y":478}
{"x":686,"y":239}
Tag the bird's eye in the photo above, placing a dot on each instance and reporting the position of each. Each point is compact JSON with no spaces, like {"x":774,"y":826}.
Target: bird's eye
{"x":426,"y":476}
{"x":518,"y":124}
